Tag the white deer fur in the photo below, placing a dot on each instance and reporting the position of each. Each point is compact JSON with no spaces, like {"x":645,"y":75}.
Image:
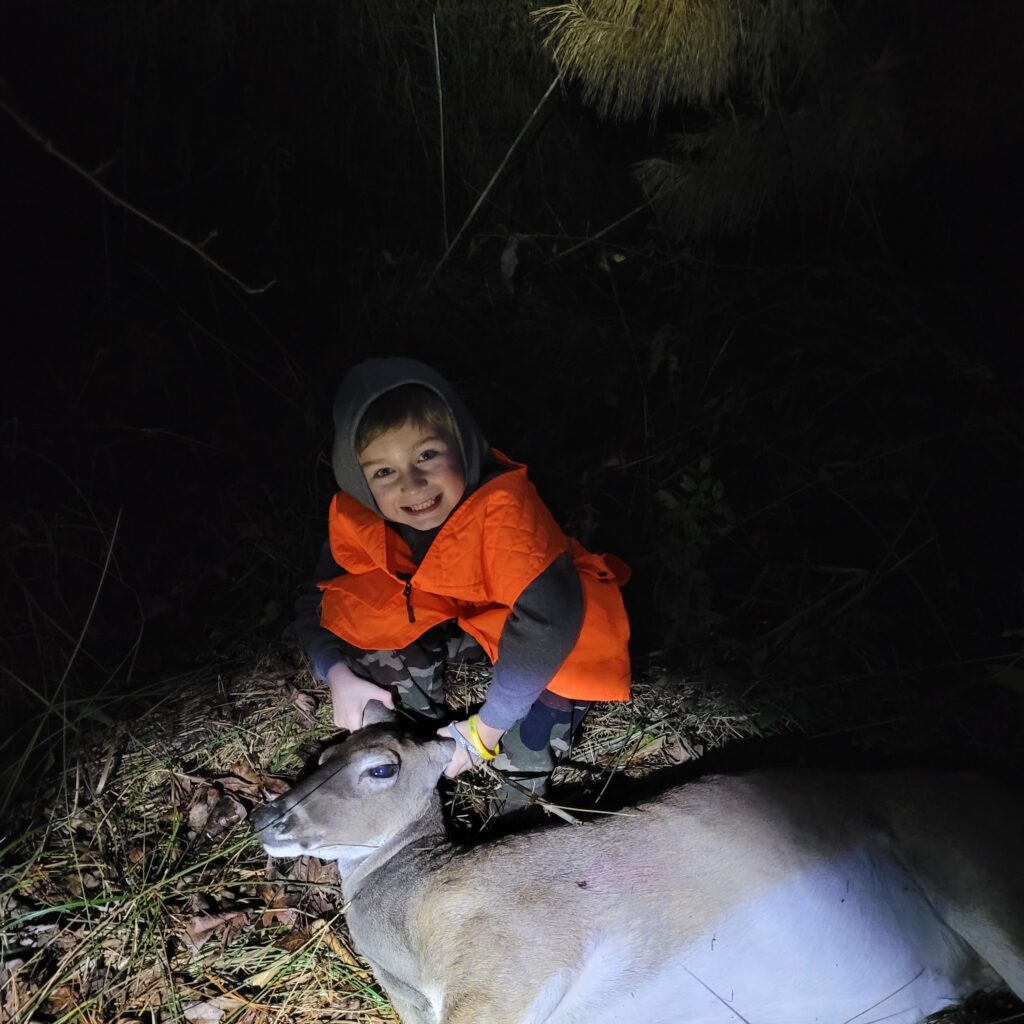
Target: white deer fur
{"x":768,"y":898}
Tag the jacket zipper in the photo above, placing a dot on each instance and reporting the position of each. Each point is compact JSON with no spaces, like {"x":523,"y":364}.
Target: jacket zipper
{"x":407,"y":593}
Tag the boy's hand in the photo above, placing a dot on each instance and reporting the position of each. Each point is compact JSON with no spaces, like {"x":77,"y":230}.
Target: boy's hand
{"x":350,"y":695}
{"x":461,"y":759}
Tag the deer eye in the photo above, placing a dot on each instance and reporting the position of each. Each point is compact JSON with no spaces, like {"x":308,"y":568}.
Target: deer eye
{"x":381,"y":771}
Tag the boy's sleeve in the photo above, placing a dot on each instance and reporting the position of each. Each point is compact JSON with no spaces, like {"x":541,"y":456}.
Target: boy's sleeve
{"x":539,"y":633}
{"x":321,"y":646}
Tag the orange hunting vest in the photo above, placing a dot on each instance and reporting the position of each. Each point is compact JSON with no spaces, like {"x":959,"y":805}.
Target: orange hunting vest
{"x":500,"y":539}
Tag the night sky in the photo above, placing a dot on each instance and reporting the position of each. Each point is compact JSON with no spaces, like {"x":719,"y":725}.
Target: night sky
{"x":804,"y":431}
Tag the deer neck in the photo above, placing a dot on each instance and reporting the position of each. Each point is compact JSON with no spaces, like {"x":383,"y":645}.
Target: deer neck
{"x":403,"y":849}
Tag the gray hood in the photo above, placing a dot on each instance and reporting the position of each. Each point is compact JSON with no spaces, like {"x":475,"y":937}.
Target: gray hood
{"x":366,"y":382}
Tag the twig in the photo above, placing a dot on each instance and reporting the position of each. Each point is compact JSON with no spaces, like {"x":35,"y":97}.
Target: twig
{"x":443,"y":262}
{"x":532,"y":797}
{"x":440,"y":123}
{"x":95,"y":601}
{"x":124,"y":204}
{"x":115,"y":747}
{"x":618,"y":761}
{"x":714,"y":364}
{"x":501,"y":777}
{"x":604,"y":231}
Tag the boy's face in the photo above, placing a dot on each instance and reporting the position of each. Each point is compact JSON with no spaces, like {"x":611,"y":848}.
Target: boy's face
{"x":414,"y":475}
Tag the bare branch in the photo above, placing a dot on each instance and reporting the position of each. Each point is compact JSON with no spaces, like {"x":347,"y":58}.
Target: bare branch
{"x":29,"y":130}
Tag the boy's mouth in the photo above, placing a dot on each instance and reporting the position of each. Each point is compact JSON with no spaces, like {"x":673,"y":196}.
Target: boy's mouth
{"x":423,"y":507}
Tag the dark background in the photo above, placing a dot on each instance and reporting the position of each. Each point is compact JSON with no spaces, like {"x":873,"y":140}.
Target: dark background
{"x":802,"y":426}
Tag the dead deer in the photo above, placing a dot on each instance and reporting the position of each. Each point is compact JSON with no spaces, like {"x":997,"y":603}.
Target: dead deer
{"x":767,"y":898}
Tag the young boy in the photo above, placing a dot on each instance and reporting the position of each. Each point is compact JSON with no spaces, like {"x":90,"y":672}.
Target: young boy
{"x":440,"y":548}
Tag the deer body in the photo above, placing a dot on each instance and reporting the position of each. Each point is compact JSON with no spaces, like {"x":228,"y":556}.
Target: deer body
{"x":770,"y":898}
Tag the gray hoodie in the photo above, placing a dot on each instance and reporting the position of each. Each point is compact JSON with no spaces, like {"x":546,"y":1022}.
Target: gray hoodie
{"x":363,"y":385}
{"x":544,"y":624}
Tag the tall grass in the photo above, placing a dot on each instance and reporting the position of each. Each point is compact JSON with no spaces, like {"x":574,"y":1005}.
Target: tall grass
{"x":635,"y":59}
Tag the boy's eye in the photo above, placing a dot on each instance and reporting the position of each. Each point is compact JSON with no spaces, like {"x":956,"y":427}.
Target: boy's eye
{"x":381,"y":771}
{"x":379,"y":474}
{"x":427,"y":454}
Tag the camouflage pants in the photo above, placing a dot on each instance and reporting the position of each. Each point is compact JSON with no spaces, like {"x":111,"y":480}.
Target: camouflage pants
{"x":530,"y":749}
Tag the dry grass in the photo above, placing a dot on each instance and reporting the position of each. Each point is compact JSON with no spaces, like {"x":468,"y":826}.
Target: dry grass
{"x":635,"y":58}
{"x":139,"y":893}
{"x":795,"y":116}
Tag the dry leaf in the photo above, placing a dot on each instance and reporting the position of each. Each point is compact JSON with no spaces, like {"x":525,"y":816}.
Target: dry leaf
{"x":204,"y":800}
{"x":675,"y":752}
{"x":199,"y":903}
{"x":226,"y":814}
{"x":314,"y":871}
{"x":8,"y":968}
{"x":292,"y":940}
{"x":64,"y":939}
{"x":280,"y":911}
{"x":263,"y":978}
{"x":203,"y":926}
{"x":239,"y":788}
{"x":146,"y":988}
{"x":274,"y":787}
{"x":304,"y":704}
{"x":63,"y":997}
{"x":321,"y":893}
{"x":12,"y":995}
{"x":245,"y":771}
{"x":322,"y":930}
{"x":351,"y":1004}
{"x":181,"y":791}
{"x":210,"y":1011}
{"x":678,"y":749}
{"x":80,"y":884}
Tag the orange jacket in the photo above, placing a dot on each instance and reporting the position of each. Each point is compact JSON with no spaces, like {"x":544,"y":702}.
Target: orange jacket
{"x":489,"y":549}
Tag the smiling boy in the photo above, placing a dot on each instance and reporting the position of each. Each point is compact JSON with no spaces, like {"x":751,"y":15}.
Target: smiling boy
{"x":414,"y":475}
{"x":439,"y":549}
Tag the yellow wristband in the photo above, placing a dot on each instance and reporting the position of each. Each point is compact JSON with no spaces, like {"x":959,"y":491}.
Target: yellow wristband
{"x":478,"y":744}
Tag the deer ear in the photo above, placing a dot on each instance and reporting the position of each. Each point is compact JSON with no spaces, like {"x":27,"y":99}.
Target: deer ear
{"x":440,"y":752}
{"x":329,"y":754}
{"x":375,"y":713}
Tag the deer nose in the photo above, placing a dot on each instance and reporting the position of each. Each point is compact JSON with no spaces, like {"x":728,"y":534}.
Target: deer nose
{"x":271,"y":818}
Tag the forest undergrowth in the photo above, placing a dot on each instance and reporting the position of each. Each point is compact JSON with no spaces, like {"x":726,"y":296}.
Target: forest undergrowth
{"x":138,"y":891}
{"x":812,"y":470}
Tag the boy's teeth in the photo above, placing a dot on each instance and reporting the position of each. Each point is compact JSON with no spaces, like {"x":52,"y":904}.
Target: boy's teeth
{"x":422,"y":505}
